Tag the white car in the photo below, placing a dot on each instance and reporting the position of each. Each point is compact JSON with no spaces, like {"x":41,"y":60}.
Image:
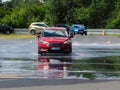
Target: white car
{"x":37,"y":27}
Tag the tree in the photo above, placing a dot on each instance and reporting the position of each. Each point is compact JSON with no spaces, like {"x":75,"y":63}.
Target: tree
{"x":114,"y":20}
{"x":92,"y":13}
{"x":54,"y":11}
{"x":61,"y":11}
{"x":23,"y":14}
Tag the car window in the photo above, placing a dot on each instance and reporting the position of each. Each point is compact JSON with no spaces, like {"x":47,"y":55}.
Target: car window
{"x":42,"y":25}
{"x":39,"y":25}
{"x":81,"y":26}
{"x":76,"y":26}
{"x":54,"y":33}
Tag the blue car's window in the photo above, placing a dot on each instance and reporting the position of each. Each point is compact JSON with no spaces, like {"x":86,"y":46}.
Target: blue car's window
{"x":82,"y":26}
{"x":76,"y":27}
{"x":79,"y":26}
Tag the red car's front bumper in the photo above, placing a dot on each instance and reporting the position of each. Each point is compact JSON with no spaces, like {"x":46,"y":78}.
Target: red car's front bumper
{"x":54,"y":47}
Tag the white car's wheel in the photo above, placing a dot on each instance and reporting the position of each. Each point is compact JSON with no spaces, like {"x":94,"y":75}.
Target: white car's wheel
{"x":33,"y":32}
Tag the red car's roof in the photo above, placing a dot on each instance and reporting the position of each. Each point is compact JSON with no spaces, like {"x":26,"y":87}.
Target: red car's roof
{"x":54,"y":28}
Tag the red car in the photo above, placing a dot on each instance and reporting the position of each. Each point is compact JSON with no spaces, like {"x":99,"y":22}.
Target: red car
{"x":54,"y":39}
{"x":53,"y":67}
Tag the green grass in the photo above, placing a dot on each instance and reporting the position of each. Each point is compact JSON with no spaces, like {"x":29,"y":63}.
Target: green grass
{"x":118,"y":35}
{"x":16,"y":36}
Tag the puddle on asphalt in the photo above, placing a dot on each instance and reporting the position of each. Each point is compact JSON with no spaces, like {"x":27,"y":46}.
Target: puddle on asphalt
{"x":98,"y":68}
{"x":65,"y":67}
{"x":86,"y":62}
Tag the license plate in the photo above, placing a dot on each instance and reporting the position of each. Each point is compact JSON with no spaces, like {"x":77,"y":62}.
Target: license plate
{"x":55,"y":48}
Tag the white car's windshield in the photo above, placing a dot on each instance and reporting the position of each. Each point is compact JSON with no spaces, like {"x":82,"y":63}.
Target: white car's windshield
{"x":54,"y":33}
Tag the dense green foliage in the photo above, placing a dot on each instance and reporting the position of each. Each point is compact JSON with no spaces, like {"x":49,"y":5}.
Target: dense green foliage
{"x":92,"y":13}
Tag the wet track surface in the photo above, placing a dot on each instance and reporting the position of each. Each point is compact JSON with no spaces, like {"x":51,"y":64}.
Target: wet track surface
{"x":93,"y":57}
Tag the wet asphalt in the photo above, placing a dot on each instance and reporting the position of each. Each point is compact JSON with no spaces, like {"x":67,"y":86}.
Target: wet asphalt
{"x":26,"y":51}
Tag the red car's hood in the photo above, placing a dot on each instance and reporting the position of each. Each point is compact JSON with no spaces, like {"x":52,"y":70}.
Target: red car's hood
{"x":54,"y":39}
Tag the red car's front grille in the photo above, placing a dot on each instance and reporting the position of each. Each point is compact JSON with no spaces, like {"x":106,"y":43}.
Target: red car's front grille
{"x":55,"y":45}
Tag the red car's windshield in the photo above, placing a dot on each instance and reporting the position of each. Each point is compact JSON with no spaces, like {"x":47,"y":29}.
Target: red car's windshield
{"x":54,"y":33}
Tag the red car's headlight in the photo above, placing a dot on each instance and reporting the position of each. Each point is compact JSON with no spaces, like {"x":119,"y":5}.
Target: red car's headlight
{"x":67,"y":42}
{"x":44,"y":42}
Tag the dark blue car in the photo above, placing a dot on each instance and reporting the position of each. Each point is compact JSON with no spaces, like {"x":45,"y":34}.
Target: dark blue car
{"x":6,"y":29}
{"x":68,"y":28}
{"x":79,"y":29}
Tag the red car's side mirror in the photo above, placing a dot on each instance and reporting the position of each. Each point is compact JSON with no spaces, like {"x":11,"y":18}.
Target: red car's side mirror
{"x":71,"y":35}
{"x":38,"y":35}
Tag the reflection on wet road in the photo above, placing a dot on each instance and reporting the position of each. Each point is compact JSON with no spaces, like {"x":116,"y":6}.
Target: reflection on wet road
{"x":19,"y":59}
